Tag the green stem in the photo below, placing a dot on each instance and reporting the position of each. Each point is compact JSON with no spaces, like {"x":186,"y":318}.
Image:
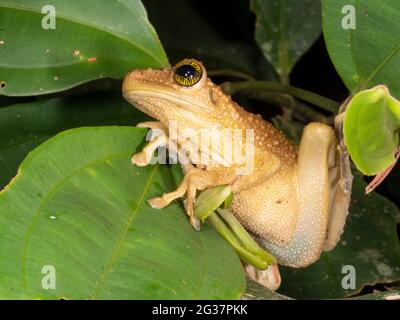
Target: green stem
{"x":313,"y":98}
{"x":275,"y":98}
{"x":229,"y":227}
{"x":246,"y":255}
{"x":230,"y":73}
{"x":244,"y":237}
{"x":209,"y":200}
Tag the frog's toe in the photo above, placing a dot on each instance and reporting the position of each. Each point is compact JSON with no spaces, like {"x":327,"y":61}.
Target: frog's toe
{"x":195,"y":223}
{"x":141,"y":159}
{"x":158,"y":203}
{"x":269,"y":277}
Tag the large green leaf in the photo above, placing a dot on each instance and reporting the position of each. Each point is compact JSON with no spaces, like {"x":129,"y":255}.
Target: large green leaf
{"x":369,"y":243}
{"x":79,"y":205}
{"x":369,"y":54}
{"x":93,"y":39}
{"x":285,"y":30}
{"x":24,"y":126}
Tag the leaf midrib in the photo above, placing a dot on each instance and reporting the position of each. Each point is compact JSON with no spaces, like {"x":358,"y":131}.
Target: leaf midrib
{"x":103,"y":278}
{"x":363,"y":84}
{"x":388,"y":57}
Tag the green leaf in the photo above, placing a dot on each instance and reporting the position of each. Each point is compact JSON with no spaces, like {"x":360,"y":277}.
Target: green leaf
{"x":79,"y":205}
{"x":92,"y":39}
{"x":371,"y":129}
{"x":369,"y":243}
{"x":285,"y":30}
{"x":25,"y":126}
{"x":369,"y":54}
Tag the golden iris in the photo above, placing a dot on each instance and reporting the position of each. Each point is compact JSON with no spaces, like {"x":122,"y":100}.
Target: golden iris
{"x":188,"y":73}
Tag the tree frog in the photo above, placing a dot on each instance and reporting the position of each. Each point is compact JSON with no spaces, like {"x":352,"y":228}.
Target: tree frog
{"x":294,"y":200}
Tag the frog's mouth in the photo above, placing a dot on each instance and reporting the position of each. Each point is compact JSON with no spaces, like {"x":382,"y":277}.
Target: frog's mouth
{"x":147,"y":100}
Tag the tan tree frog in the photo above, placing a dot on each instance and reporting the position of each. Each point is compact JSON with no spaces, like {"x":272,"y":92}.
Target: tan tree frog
{"x":294,"y":201}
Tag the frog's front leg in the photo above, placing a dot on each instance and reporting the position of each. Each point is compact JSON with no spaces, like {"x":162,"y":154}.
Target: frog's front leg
{"x":150,"y":125}
{"x":144,"y":157}
{"x":195,"y":179}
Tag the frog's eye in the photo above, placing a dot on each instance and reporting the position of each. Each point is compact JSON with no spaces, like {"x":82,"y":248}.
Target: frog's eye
{"x":188,"y":73}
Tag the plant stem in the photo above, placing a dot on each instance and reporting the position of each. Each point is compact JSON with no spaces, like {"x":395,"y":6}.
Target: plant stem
{"x":227,"y":234}
{"x":243,"y":236}
{"x":209,"y":200}
{"x":230,"y":73}
{"x":313,"y":98}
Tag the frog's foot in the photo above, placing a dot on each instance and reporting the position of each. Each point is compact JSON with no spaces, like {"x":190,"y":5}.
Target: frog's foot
{"x":269,"y":277}
{"x":144,"y":157}
{"x":341,"y":180}
{"x":161,"y":202}
{"x":189,"y":185}
{"x":189,"y":204}
{"x":195,"y":179}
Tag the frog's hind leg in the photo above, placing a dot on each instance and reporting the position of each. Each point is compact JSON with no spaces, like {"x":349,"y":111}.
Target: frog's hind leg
{"x":269,"y":277}
{"x":316,"y":178}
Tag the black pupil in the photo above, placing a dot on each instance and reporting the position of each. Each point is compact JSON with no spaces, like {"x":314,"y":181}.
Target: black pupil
{"x":186,"y":71}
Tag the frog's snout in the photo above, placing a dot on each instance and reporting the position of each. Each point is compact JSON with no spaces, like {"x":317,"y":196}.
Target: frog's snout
{"x":130,"y":81}
{"x":148,"y":79}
